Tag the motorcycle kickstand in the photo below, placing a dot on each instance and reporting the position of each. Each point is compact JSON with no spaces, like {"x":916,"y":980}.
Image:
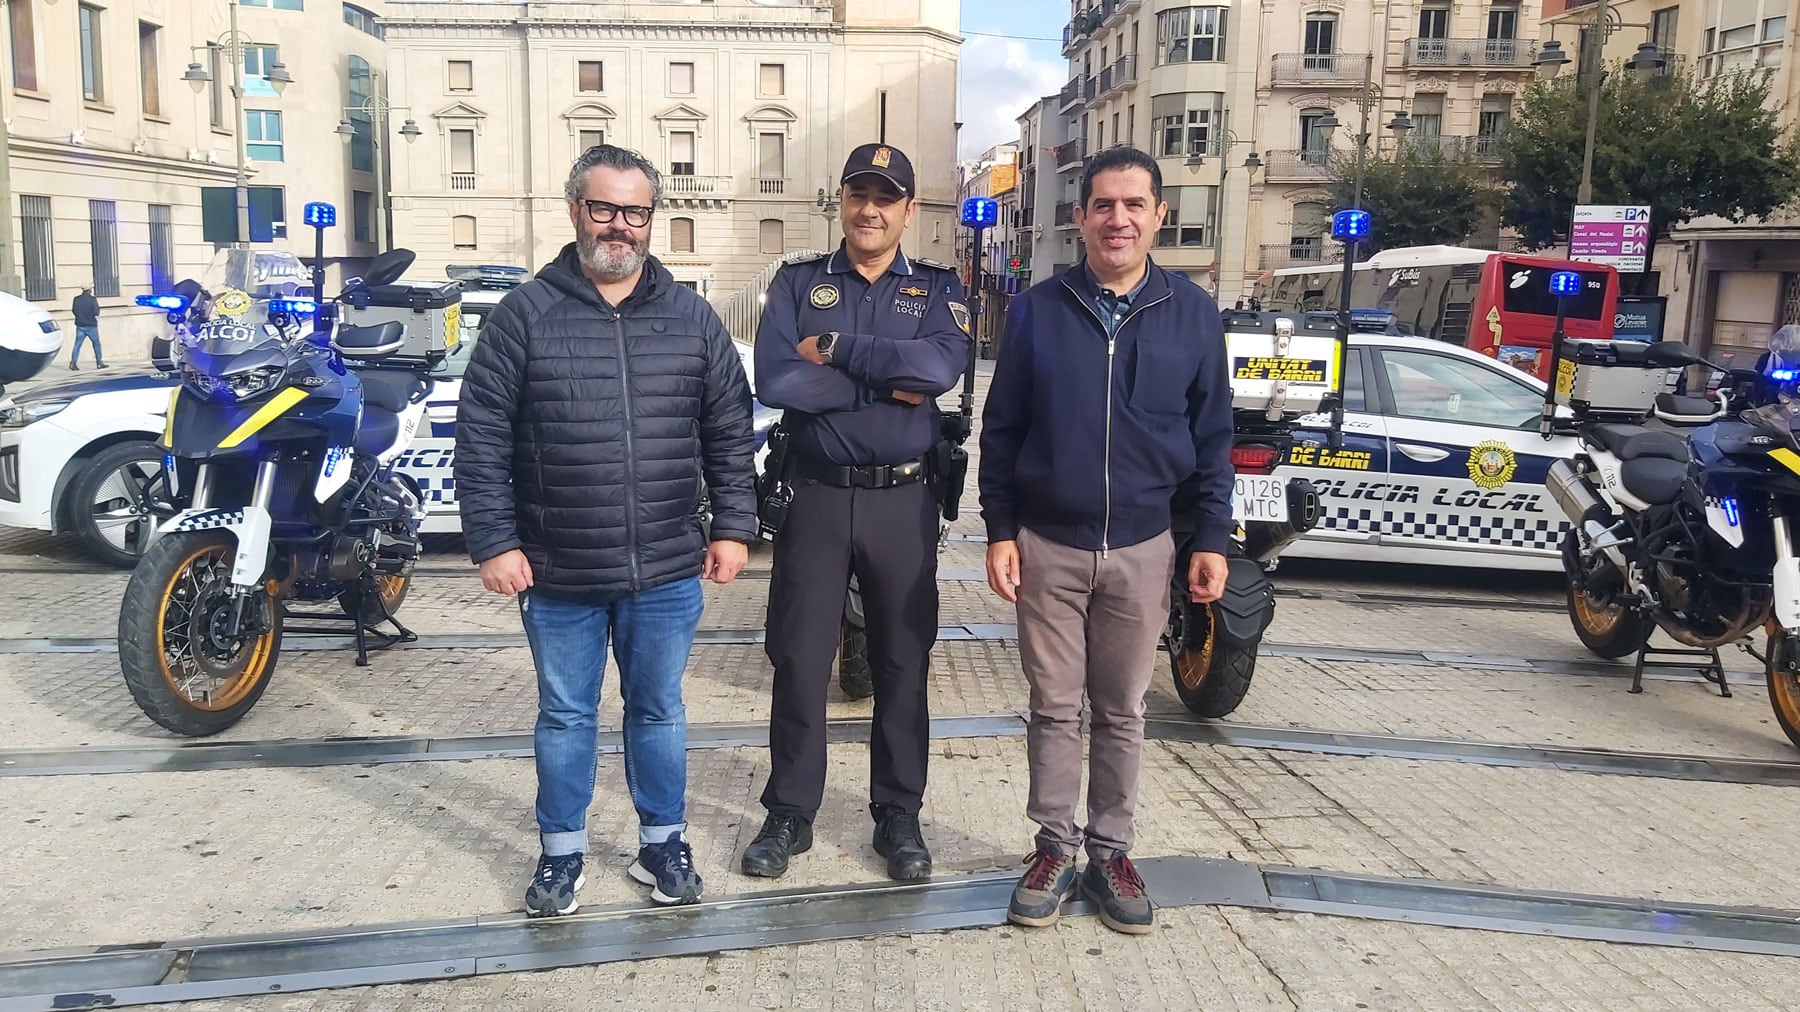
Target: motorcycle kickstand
{"x":1712,"y":671}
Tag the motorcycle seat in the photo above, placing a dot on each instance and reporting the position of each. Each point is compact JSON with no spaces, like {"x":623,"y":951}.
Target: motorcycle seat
{"x":377,"y":431}
{"x":1655,"y":480}
{"x":1631,"y":442}
{"x":388,"y":389}
{"x":1678,"y":409}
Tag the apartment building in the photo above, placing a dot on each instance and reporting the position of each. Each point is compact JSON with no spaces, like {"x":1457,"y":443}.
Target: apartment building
{"x":1039,"y":243}
{"x":748,"y":107}
{"x":112,"y":144}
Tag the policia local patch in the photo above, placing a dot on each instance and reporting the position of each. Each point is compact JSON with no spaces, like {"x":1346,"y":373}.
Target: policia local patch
{"x":1292,"y":370}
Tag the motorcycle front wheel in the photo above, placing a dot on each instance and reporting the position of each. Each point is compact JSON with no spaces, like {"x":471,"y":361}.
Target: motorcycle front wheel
{"x":1211,"y":679}
{"x":184,"y":669}
{"x":1784,"y":685}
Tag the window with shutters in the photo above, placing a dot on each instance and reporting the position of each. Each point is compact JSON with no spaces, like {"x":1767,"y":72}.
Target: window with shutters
{"x":149,"y":68}
{"x":681,"y":235}
{"x":681,"y":79}
{"x":462,"y":75}
{"x":771,"y":80}
{"x":590,"y":76}
{"x":24,"y":44}
{"x":462,"y":232}
{"x":771,"y":237}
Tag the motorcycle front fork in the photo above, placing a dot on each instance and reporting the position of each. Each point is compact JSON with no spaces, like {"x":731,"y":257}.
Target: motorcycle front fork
{"x":242,"y":597}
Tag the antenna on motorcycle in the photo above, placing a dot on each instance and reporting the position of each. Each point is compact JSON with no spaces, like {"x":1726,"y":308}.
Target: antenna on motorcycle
{"x":1564,"y":285}
{"x":1350,"y":227}
{"x":320,"y":216}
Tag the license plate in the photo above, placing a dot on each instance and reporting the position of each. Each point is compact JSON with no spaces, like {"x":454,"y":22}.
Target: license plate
{"x":1257,"y":497}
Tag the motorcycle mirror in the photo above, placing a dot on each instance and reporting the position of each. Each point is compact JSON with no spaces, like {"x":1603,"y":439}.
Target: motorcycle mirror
{"x":386,"y":268}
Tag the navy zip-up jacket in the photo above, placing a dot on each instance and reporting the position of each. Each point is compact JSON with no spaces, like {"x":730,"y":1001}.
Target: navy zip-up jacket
{"x":1084,"y":438}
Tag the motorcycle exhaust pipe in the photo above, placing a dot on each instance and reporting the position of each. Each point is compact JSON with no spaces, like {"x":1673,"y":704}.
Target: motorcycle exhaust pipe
{"x":1575,"y":495}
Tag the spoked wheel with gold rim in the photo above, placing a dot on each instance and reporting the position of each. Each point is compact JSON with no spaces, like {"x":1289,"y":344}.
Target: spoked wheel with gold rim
{"x":185,"y":667}
{"x":1609,"y":630}
{"x":1784,"y":684}
{"x":1211,"y":678}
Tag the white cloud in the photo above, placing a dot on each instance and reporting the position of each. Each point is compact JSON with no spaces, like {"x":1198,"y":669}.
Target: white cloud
{"x":1000,"y":79}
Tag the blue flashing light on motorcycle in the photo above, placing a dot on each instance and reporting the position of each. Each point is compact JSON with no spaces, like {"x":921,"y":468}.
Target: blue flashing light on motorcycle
{"x":170,"y":303}
{"x":1565,"y":283}
{"x":1784,"y":375}
{"x":319,"y":214}
{"x":1351,"y":225}
{"x":980,"y":212}
{"x":295,"y":307}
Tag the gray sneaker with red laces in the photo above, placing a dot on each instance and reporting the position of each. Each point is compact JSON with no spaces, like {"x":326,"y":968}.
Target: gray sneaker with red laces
{"x":1118,"y":890}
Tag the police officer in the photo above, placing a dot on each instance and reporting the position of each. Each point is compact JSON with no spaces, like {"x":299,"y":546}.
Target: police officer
{"x":855,"y":346}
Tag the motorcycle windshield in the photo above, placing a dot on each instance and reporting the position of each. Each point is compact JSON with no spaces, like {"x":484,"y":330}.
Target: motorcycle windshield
{"x":1779,"y":419}
{"x":260,"y":274}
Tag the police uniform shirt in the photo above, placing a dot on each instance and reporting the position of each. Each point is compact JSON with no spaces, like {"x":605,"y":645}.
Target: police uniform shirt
{"x":907,"y":330}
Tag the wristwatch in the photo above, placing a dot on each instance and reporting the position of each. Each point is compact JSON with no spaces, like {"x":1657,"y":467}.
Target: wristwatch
{"x":826,"y":340}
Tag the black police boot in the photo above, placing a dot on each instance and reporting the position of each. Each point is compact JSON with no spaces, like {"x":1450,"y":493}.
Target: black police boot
{"x":897,"y":838}
{"x":781,"y":837}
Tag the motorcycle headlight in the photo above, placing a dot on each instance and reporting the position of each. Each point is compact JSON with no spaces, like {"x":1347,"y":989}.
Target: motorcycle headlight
{"x":255,"y":381}
{"x":20,"y":415}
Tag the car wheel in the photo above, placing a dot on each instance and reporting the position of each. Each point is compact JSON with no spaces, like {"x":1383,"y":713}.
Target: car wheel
{"x":116,"y":501}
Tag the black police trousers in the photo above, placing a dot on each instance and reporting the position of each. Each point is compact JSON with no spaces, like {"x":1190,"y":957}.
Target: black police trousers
{"x":890,"y":536}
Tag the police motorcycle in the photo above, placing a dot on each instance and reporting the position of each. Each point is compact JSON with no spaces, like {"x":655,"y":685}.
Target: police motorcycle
{"x":1691,"y":536}
{"x":1284,"y":367}
{"x":281,"y":444}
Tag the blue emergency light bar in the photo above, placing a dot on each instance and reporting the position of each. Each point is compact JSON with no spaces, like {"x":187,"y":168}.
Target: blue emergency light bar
{"x":295,"y":307}
{"x":981,"y":212}
{"x":1349,"y":225}
{"x":171,"y":303}
{"x":1565,"y":283}
{"x":320,"y":215}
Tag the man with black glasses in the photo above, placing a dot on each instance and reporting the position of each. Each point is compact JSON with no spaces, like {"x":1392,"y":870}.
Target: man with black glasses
{"x":600,"y":396}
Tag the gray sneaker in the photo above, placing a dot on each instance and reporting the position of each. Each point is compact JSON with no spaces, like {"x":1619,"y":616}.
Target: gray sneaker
{"x":553,"y":886}
{"x":1037,"y":899}
{"x":1117,"y":889}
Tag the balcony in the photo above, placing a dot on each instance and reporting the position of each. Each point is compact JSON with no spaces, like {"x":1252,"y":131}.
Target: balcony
{"x":1070,"y":97}
{"x":1471,"y":54}
{"x":1080,"y":27}
{"x":1071,"y":154}
{"x":1308,"y":166}
{"x":1299,"y":253}
{"x":1319,"y":70}
{"x":767,"y":186}
{"x":1122,"y":74}
{"x":696,"y":186}
{"x":1065,"y":214}
{"x":1479,"y":148}
{"x":462,"y":181}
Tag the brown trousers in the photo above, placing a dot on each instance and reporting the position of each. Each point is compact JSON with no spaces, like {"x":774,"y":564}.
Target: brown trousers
{"x":1088,"y":627}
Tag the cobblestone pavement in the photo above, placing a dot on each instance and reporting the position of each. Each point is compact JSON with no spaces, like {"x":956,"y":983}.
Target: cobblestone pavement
{"x":173,"y":855}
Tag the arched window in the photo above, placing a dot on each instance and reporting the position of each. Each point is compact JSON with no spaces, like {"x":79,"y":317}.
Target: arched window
{"x":771,"y":237}
{"x":462,"y":232}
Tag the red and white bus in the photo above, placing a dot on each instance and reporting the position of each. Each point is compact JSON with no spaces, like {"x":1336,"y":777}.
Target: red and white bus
{"x":1498,"y":304}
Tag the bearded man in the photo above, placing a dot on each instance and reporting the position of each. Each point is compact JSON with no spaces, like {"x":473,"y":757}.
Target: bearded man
{"x":600,"y":396}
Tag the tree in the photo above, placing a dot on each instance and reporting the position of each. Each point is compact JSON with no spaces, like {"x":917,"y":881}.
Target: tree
{"x":1421,"y":197}
{"x":1685,"y":147}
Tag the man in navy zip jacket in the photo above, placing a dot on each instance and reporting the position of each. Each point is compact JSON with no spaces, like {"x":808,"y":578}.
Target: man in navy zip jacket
{"x":1112,"y":388}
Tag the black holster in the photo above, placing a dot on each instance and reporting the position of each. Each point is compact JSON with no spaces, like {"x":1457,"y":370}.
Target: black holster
{"x":949,"y":471}
{"x":774,"y":494}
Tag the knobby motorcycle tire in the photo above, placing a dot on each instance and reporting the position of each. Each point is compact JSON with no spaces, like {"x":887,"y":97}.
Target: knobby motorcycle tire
{"x":143,"y":660}
{"x":1225,"y":673}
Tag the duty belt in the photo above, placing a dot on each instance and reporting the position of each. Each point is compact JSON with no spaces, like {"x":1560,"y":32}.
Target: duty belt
{"x":870,"y":476}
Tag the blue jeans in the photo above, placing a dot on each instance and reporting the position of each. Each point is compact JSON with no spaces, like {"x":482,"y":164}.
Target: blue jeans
{"x":651,"y":635}
{"x":83,"y":334}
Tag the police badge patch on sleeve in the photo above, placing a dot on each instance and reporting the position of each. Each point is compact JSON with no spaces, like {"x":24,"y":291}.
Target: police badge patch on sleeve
{"x":961,"y":314}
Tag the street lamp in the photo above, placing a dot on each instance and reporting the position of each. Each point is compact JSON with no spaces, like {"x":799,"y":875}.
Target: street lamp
{"x":828,"y":209}
{"x":1601,"y":24}
{"x":234,"y":45}
{"x":1220,"y":142}
{"x":377,"y":109}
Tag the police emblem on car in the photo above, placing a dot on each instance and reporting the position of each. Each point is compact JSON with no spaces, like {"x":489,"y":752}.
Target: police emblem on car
{"x":1491,"y":464}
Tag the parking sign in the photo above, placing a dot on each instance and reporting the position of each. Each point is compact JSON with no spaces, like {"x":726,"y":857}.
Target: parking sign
{"x":1617,"y":235}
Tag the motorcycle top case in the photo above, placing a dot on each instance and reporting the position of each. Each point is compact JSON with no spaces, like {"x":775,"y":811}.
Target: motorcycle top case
{"x":431,"y":312}
{"x":1280,"y":365}
{"x":1610,"y":376}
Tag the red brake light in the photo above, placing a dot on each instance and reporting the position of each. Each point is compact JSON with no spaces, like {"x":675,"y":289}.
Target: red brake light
{"x":1251,"y":459}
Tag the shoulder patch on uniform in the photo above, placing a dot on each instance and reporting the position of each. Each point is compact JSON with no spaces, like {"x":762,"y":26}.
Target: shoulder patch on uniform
{"x":804,"y":258}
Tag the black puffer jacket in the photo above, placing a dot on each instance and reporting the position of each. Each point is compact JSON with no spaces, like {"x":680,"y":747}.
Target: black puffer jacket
{"x":583,"y":434}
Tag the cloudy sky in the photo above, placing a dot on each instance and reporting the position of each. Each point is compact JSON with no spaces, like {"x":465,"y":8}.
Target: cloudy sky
{"x":1011,"y":57}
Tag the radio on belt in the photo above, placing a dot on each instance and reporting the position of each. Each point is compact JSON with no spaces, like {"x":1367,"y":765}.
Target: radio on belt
{"x":1282,"y":364}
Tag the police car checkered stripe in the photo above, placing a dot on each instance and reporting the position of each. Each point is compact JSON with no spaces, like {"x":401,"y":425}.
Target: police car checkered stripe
{"x":1512,"y":532}
{"x":436,"y":491}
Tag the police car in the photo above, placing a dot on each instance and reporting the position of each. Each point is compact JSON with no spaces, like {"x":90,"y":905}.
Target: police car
{"x":79,"y":456}
{"x":1441,"y":462}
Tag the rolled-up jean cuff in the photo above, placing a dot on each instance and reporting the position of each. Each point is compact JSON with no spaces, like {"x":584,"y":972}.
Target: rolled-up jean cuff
{"x":648,"y":835}
{"x":559,"y":844}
